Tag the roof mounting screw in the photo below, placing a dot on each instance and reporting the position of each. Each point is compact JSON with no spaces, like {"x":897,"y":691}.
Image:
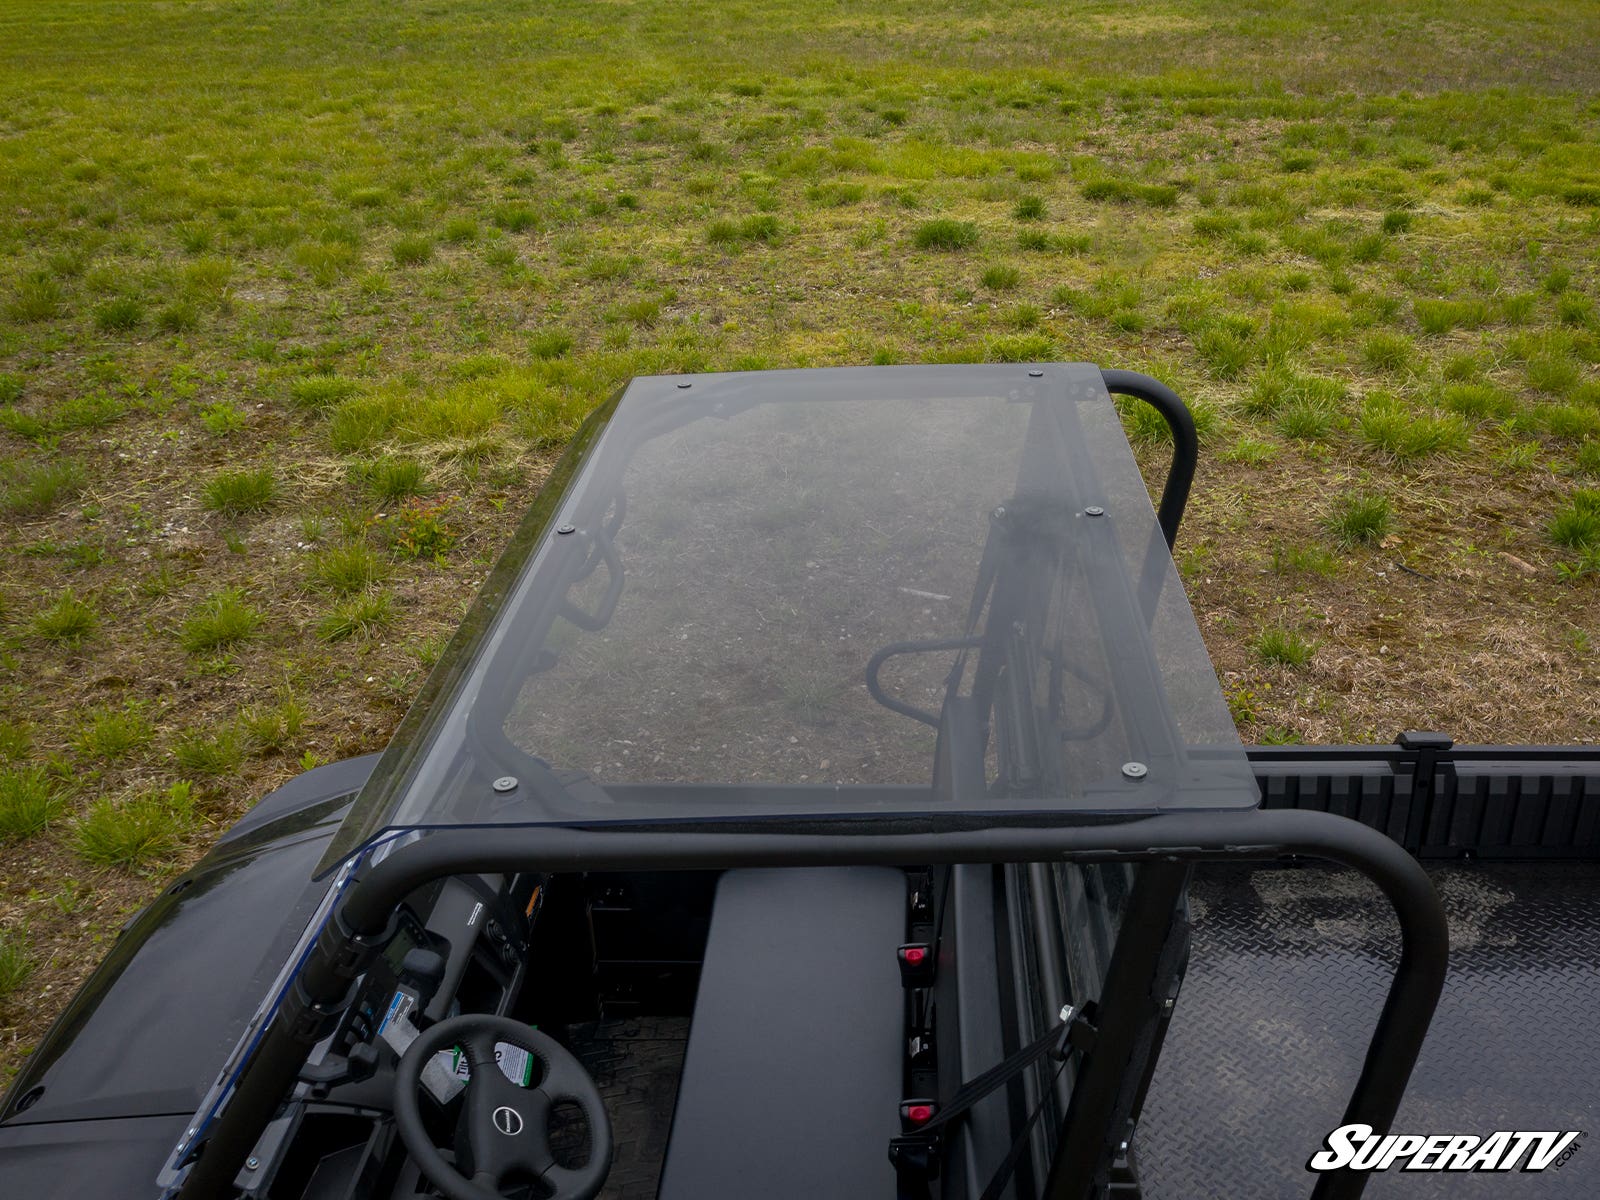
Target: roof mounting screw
{"x":506,"y":783}
{"x":1035,"y":373}
{"x":1135,"y":770}
{"x":681,"y":386}
{"x":251,"y":1163}
{"x":566,"y":529}
{"x":1067,"y":1012}
{"x":999,"y":513}
{"x":1094,"y":510}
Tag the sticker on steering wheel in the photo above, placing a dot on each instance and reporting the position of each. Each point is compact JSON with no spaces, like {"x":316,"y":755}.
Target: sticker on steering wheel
{"x":515,"y":1063}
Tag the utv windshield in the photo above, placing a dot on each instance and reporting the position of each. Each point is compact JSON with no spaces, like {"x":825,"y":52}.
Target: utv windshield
{"x":930,"y":591}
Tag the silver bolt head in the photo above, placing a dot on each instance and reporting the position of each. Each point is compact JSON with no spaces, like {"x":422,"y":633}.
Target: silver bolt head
{"x":252,"y":1163}
{"x":1066,"y":1013}
{"x":566,"y":529}
{"x":1135,"y":770}
{"x":1035,"y":373}
{"x":506,"y":783}
{"x":1094,"y":510}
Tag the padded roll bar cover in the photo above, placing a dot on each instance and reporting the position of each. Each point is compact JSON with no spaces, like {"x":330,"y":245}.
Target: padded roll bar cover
{"x":791,"y":1080}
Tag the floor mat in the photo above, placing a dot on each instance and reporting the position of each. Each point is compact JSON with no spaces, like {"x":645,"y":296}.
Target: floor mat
{"x":636,"y":1062}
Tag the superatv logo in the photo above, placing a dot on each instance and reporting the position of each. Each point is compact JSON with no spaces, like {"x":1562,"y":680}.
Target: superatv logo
{"x":1359,"y":1148}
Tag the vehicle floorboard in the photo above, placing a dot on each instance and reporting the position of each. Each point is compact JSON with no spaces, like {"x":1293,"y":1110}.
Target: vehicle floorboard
{"x":636,"y":1061}
{"x":1289,"y":969}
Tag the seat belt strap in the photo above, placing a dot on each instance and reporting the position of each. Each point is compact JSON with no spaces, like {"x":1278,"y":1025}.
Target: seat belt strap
{"x":915,"y":1154}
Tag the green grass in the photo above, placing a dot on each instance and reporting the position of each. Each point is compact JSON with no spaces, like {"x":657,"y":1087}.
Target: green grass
{"x":1304,"y":560}
{"x":32,"y":489}
{"x":223,"y":620}
{"x":550,"y":343}
{"x":365,"y":615}
{"x":1576,"y":524}
{"x":122,"y":315}
{"x":211,"y":751}
{"x":16,"y":739}
{"x":68,"y":621}
{"x":1029,"y":208}
{"x":113,"y":734}
{"x":945,"y":234}
{"x":394,"y":478}
{"x":16,"y":963}
{"x":1478,"y":401}
{"x":321,"y":392}
{"x":1389,"y":352}
{"x":1392,"y":429}
{"x":1307,"y":420}
{"x":35,"y":297}
{"x":1283,"y":645}
{"x":1360,"y":518}
{"x":137,"y":831}
{"x":1001,"y":277}
{"x":273,"y":727}
{"x":412,"y":251}
{"x":345,"y":570}
{"x":1441,"y":316}
{"x":29,"y":801}
{"x":236,"y":493}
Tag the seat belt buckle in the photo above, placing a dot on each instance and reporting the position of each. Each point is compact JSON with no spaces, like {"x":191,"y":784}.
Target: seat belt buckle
{"x":914,"y":1114}
{"x":916,"y":964}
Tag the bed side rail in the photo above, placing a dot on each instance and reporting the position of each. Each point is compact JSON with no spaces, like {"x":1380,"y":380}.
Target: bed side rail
{"x":1443,"y":801}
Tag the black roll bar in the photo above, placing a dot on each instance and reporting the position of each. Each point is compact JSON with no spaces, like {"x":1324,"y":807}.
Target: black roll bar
{"x":1185,"y":442}
{"x":356,"y":933}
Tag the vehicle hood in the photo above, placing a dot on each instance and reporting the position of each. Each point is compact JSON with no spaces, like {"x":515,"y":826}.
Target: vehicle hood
{"x":150,"y":1029}
{"x":110,"y":1160}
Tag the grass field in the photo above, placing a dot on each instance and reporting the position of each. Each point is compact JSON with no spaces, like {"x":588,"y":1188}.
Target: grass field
{"x":299,"y":300}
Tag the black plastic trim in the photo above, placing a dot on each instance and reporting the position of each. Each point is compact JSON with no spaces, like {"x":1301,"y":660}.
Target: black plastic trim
{"x":1442,"y":801}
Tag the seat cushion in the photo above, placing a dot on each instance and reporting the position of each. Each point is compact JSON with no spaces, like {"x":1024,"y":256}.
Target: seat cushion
{"x":791,"y":1081}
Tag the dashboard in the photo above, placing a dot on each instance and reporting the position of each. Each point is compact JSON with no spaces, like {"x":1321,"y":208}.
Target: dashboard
{"x":460,"y":945}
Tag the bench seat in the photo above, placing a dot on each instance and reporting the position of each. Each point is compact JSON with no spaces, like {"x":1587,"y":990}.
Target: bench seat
{"x":792,"y":1077}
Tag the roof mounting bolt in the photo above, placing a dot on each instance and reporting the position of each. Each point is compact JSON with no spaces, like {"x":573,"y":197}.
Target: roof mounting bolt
{"x":1094,"y":510}
{"x":251,"y":1163}
{"x":566,"y":529}
{"x":999,"y":513}
{"x":506,"y":783}
{"x":1035,"y":373}
{"x":1135,"y":770}
{"x":1067,"y":1012}
{"x":681,"y":386}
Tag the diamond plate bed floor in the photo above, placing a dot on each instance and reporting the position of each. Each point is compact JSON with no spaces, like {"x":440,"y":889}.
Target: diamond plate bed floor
{"x":636,"y":1062}
{"x":1290,"y":966}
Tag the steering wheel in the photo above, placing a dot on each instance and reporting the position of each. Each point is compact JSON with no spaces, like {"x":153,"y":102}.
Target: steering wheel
{"x":503,"y":1131}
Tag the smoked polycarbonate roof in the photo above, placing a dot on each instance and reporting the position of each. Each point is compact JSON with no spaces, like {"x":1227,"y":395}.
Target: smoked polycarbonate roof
{"x":683,"y":626}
